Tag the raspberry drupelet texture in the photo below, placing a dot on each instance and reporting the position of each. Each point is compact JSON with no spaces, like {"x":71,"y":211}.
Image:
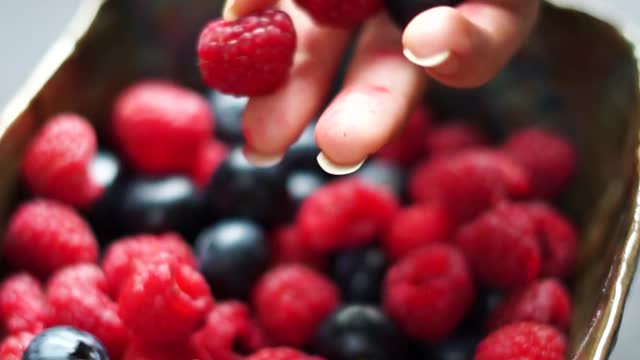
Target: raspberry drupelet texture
{"x":288,"y":246}
{"x":250,"y":56}
{"x":429,"y":292}
{"x":23,"y":305}
{"x":544,"y":301}
{"x":502,"y":247}
{"x":416,"y":226}
{"x":44,"y":236}
{"x":523,"y":340}
{"x":453,"y":137}
{"x":207,"y":161}
{"x":164,"y":300}
{"x":468,"y":182}
{"x":77,"y":298}
{"x":407,"y":146}
{"x":340,"y":13}
{"x":281,"y":353}
{"x":344,"y":214}
{"x":291,"y":301}
{"x":56,"y":162}
{"x":13,"y":346}
{"x":139,"y":350}
{"x":160,"y":127}
{"x":549,"y":159}
{"x":228,"y":330}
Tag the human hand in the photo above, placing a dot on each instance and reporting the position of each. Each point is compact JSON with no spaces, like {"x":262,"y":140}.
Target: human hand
{"x":463,"y":46}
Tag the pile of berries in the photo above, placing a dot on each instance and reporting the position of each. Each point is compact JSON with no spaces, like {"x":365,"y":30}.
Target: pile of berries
{"x":170,"y":245}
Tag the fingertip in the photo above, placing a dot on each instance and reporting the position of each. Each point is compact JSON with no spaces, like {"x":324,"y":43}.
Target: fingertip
{"x":233,"y":9}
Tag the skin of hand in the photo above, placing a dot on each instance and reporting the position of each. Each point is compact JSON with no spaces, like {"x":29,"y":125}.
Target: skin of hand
{"x":461,"y":47}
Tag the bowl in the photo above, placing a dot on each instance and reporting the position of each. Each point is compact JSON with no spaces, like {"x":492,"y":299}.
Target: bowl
{"x":577,"y":73}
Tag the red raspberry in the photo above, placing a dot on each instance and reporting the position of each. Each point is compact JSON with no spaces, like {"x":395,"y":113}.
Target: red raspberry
{"x":44,"y":236}
{"x":281,"y":353}
{"x":23,"y":305}
{"x":545,"y":301}
{"x":414,"y":227}
{"x":501,"y":247}
{"x":549,"y":159}
{"x":164,"y":288}
{"x":523,"y":340}
{"x":346,"y":213}
{"x":56,"y":162}
{"x":288,"y":246}
{"x":138,"y":350}
{"x":341,"y":13}
{"x":160,"y":126}
{"x":468,"y":182}
{"x":454,"y":137}
{"x":77,"y":299}
{"x":122,"y":256}
{"x":229,"y":328}
{"x":558,"y":240}
{"x":291,"y":301}
{"x":13,"y":347}
{"x":407,"y":147}
{"x":250,"y":56}
{"x":207,"y":161}
{"x":429,"y":292}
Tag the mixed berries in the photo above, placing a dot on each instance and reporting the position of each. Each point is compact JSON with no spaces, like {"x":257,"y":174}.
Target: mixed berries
{"x":165,"y":243}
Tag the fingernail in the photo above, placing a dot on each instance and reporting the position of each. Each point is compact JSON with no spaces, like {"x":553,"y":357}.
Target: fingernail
{"x":261,"y":160}
{"x":427,"y":61}
{"x":228,"y":13}
{"x":335,"y":169}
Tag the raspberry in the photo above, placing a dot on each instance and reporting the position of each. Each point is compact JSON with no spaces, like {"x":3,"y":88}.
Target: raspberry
{"x":76,"y":297}
{"x":453,"y":137}
{"x":23,"y":305}
{"x":346,"y":213}
{"x":44,"y":236}
{"x":122,"y":256}
{"x":291,"y":301}
{"x":523,"y":340}
{"x":545,"y":301}
{"x":250,"y":56}
{"x":414,"y":227}
{"x":501,"y":247}
{"x":14,"y":346}
{"x":288,"y":246}
{"x":207,"y":161}
{"x":549,"y":159}
{"x":407,"y":147}
{"x":229,"y":329}
{"x":138,"y":350}
{"x":164,"y":288}
{"x":160,"y":127}
{"x":558,"y":240}
{"x":281,"y":353}
{"x":429,"y":292}
{"x":56,"y":162}
{"x":341,"y":13}
{"x":468,"y":182}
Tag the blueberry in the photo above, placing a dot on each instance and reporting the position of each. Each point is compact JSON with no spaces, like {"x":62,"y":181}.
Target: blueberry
{"x":486,"y":302}
{"x":384,"y":173}
{"x":154,"y":205}
{"x":302,"y":154}
{"x":356,"y":332}
{"x":303,"y":183}
{"x":359,"y":273}
{"x":65,"y":343}
{"x":107,"y":170}
{"x":232,"y":254}
{"x":228,"y":111}
{"x":455,"y":347}
{"x":239,"y":189}
{"x":403,"y":11}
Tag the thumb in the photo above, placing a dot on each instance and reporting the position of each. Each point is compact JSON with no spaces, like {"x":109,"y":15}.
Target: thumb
{"x":234,"y":9}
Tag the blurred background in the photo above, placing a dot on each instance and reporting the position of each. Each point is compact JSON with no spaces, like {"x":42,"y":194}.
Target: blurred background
{"x":28,"y":27}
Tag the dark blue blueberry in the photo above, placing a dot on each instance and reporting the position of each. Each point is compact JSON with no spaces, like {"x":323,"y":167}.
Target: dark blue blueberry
{"x":154,"y":205}
{"x":486,"y":302}
{"x":302,"y":154}
{"x":303,"y":183}
{"x":232,"y":254}
{"x":403,"y":11}
{"x":384,"y":173}
{"x":356,"y":332}
{"x":228,"y":111}
{"x":455,"y":347}
{"x":359,"y":274}
{"x":239,"y":189}
{"x":65,"y":343}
